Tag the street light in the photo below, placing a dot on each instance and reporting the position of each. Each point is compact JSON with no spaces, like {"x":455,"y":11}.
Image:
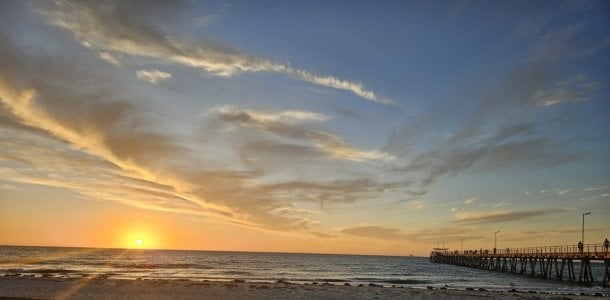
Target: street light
{"x":583,"y":227}
{"x":495,"y":239}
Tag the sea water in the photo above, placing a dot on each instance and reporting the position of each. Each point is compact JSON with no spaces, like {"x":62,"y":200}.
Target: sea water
{"x":136,"y":264}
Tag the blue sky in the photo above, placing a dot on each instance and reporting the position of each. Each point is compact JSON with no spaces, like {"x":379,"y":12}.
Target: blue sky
{"x":350,"y":126}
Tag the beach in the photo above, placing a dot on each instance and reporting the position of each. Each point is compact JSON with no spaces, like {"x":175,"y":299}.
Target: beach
{"x":13,"y":287}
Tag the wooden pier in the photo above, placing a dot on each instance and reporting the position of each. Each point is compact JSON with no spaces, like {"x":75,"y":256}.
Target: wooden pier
{"x":551,"y":262}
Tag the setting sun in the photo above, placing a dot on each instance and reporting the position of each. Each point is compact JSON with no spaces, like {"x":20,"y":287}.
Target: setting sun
{"x":140,"y":236}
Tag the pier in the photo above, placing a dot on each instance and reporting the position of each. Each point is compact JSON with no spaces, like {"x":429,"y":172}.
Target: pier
{"x":550,"y":262}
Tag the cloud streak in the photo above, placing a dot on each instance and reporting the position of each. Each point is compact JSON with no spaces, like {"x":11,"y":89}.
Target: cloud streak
{"x":110,"y":27}
{"x":153,"y":76}
{"x":282,"y":123}
{"x":491,"y":217}
{"x":510,"y":146}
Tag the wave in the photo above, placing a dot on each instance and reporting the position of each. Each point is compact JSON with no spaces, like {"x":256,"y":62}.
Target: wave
{"x":162,"y":266}
{"x":390,"y":280}
{"x":39,"y":271}
{"x":328,"y":280}
{"x":404,"y":281}
{"x":231,"y":272}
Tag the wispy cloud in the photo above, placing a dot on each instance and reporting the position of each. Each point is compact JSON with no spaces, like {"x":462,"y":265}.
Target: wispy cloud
{"x":377,"y":232}
{"x":9,"y":187}
{"x":415,"y":205}
{"x":490,"y":217}
{"x":594,"y":189}
{"x":270,"y":116}
{"x":109,"y":58}
{"x":282,"y":123}
{"x":574,"y":89}
{"x":153,"y":76}
{"x":448,"y":234}
{"x":471,"y":200}
{"x":470,"y":149}
{"x":114,"y":29}
{"x":555,"y":191}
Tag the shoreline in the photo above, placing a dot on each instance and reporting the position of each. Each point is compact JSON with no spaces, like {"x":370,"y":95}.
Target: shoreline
{"x":14,"y":287}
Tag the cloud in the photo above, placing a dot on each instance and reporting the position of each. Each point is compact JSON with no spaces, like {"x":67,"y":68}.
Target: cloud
{"x":470,"y":200}
{"x":490,"y":217}
{"x":109,"y":58}
{"x":542,"y":233}
{"x":556,"y":191}
{"x":509,"y":147}
{"x":270,"y":116}
{"x":9,"y":187}
{"x":415,"y":205}
{"x":282,"y":123}
{"x":327,"y":192}
{"x":153,"y":76}
{"x":377,"y":232}
{"x":572,"y":90}
{"x":448,"y":234}
{"x":111,"y":26}
{"x":594,"y":189}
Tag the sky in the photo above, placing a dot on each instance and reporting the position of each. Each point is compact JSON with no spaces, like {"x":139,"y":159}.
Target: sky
{"x":355,"y":127}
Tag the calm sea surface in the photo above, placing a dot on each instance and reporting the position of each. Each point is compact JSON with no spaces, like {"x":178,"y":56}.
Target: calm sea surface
{"x":297,"y":268}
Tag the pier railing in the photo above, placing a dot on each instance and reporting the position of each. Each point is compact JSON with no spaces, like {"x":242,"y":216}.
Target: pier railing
{"x":595,"y":250}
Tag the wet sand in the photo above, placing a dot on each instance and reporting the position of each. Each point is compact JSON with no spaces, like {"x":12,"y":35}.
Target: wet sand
{"x":100,"y":288}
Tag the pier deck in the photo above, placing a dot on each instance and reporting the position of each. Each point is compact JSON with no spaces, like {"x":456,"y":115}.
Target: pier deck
{"x":550,"y":262}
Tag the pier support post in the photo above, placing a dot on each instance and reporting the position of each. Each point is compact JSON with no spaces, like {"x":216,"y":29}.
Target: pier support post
{"x":586,"y":275}
{"x":571,"y":272}
{"x":543,"y":267}
{"x":533,"y":261}
{"x":606,"y":282}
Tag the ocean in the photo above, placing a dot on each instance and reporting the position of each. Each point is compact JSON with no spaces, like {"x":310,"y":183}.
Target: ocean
{"x":135,"y":264}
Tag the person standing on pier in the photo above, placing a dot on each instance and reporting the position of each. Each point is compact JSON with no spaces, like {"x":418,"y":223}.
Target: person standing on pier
{"x":606,"y":244}
{"x":580,"y":247}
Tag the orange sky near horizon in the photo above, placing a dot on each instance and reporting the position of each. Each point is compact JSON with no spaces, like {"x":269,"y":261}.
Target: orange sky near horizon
{"x":107,"y":225}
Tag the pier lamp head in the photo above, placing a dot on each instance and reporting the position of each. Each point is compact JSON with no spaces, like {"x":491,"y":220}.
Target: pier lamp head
{"x":587,"y":213}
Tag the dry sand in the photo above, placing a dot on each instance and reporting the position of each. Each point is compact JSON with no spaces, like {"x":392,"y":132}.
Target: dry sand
{"x":98,"y":288}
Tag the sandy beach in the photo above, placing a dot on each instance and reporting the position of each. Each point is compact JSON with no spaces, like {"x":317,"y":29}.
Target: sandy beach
{"x":100,"y":288}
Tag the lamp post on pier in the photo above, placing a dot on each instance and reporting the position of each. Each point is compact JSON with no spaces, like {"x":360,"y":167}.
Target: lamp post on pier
{"x":463,"y":245}
{"x":583,"y":227}
{"x":495,"y":240}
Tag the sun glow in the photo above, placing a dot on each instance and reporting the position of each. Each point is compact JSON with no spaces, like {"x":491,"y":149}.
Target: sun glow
{"x":140,"y":238}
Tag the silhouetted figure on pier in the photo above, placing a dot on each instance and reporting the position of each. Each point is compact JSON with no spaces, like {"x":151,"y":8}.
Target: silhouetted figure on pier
{"x":606,"y":244}
{"x":580,"y":247}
